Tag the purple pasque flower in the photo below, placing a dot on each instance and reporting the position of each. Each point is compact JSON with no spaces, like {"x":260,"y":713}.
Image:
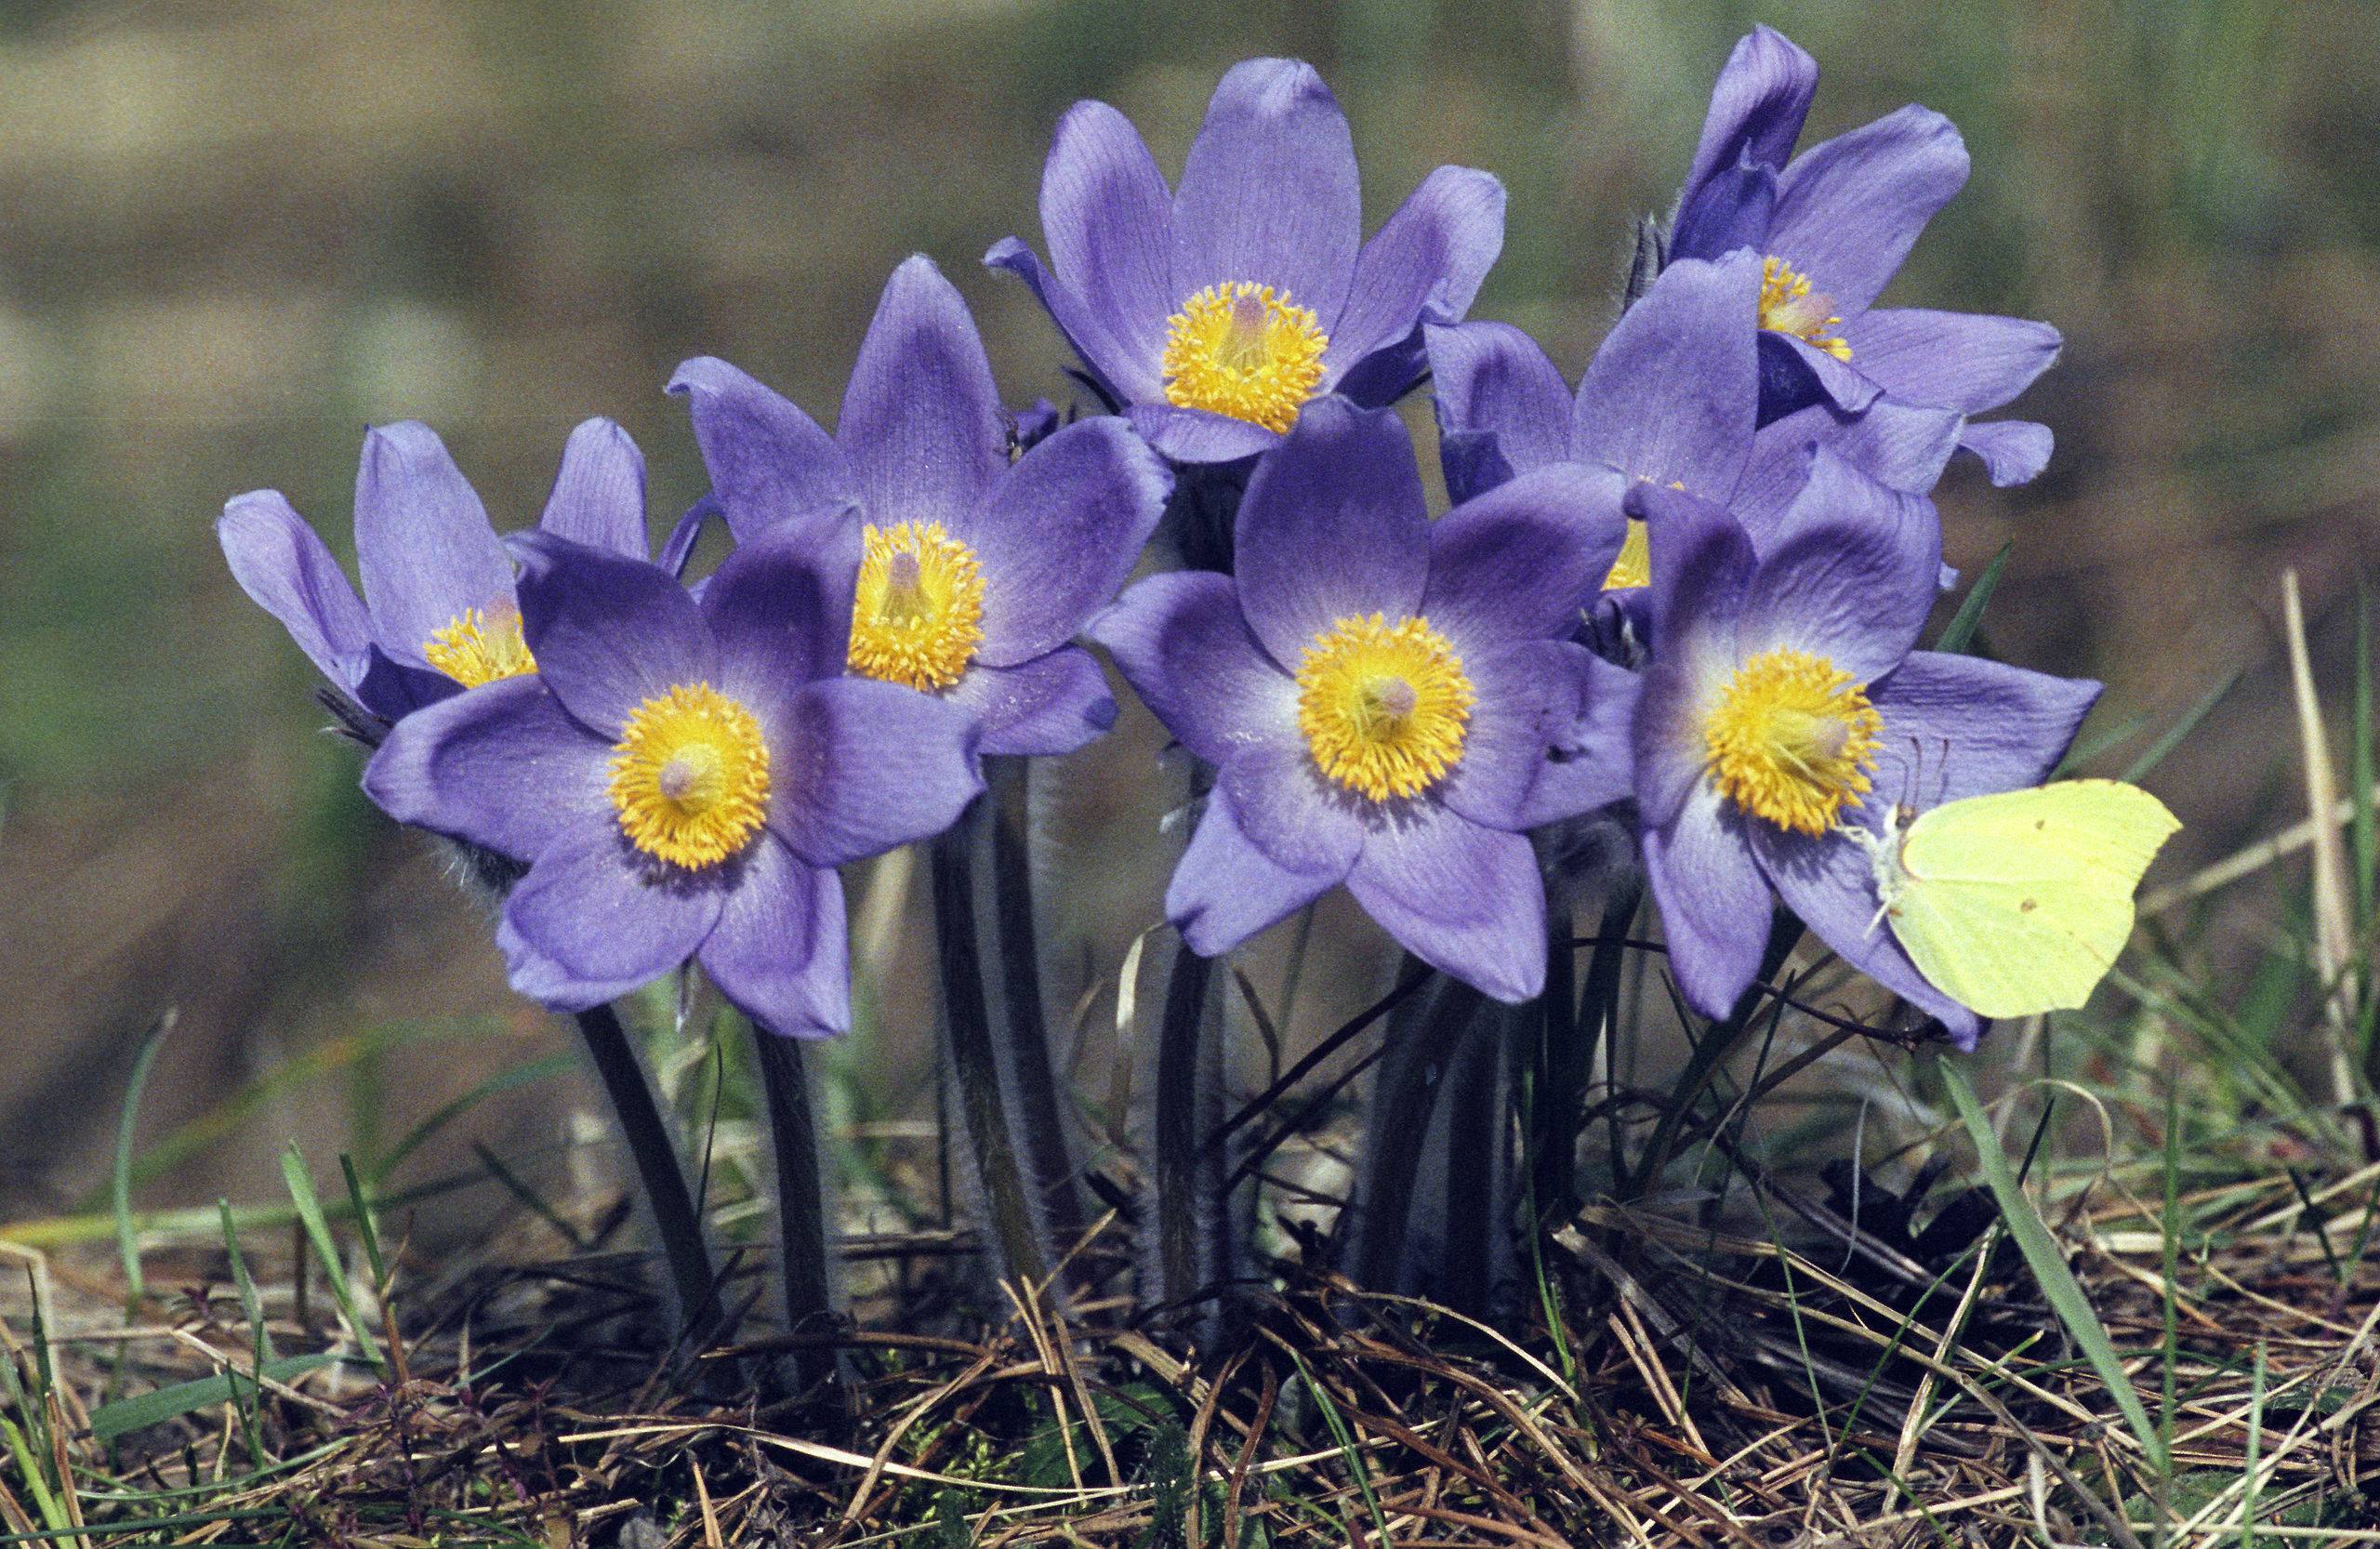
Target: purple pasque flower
{"x":681,"y":779}
{"x":1670,"y":399}
{"x":439,"y":615}
{"x":973,"y":571}
{"x":1784,"y":708}
{"x":1832,"y":226}
{"x":1388,"y":702}
{"x":1213,"y":314}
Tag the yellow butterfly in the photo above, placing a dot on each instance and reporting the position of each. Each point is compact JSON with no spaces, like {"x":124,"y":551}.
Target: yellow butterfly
{"x":2017,"y":903}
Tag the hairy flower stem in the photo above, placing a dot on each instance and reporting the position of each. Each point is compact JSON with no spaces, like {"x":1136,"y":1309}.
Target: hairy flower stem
{"x":1419,"y":1041}
{"x":1572,"y":1030}
{"x":974,"y":1054}
{"x":1193,"y":1207}
{"x":1472,"y":1270}
{"x":1032,"y":1079}
{"x":806,"y":1267}
{"x":1719,"y":1042}
{"x":677,"y":1222}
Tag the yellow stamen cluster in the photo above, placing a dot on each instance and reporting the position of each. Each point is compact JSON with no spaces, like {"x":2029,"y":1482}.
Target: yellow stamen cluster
{"x":480,"y":647}
{"x":1384,"y":706}
{"x":690,"y":777}
{"x":1240,"y":350}
{"x":918,"y":616}
{"x":1792,"y":739}
{"x":1787,"y":307}
{"x":1635,"y":565}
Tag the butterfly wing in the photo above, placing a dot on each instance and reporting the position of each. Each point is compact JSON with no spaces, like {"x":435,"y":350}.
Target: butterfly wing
{"x":2019,"y":903}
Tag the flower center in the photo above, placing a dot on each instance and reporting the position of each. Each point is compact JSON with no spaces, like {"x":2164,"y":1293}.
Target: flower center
{"x":1788,"y":307}
{"x":1383,"y":706}
{"x":1635,"y":565}
{"x":918,"y":616}
{"x":1792,"y":739}
{"x":690,"y":777}
{"x":1240,"y":350}
{"x":480,"y":647}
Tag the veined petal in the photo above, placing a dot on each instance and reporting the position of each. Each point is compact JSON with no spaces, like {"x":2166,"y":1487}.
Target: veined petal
{"x":1423,"y":266}
{"x":1047,"y":707}
{"x":1492,"y":381}
{"x":779,"y":952}
{"x":1713,"y":901}
{"x":1900,"y":445}
{"x":1965,"y":361}
{"x":921,"y":425}
{"x":1060,"y":531}
{"x":1466,"y":900}
{"x":1123,"y":376}
{"x":1181,"y":641}
{"x":1829,"y":884}
{"x":1703,"y":568}
{"x":1730,"y":209}
{"x":1521,"y":561}
{"x":1671,"y":394}
{"x":1795,"y":374}
{"x":608,"y":632}
{"x":1196,"y":436}
{"x":780,"y":608}
{"x":1334,"y":525}
{"x":2013,"y":451}
{"x":599,"y":493}
{"x":1848,"y":210}
{"x":1850,"y":572}
{"x":1269,"y":192}
{"x":286,"y":569}
{"x":868,"y":766}
{"x":1547,"y":739}
{"x":422,"y":540}
{"x":501,"y":766}
{"x":768,"y":462}
{"x":589,"y":924}
{"x":1289,"y":810}
{"x":1108,"y":218}
{"x":1226,"y":890}
{"x":1957,"y":726}
{"x":1757,"y":105}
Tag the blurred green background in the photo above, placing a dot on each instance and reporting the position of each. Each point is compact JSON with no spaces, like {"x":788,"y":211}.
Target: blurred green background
{"x":233,"y":234}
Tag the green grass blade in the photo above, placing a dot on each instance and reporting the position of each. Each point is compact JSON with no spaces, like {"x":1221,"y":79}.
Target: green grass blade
{"x":364,"y":1224}
{"x":2255,"y":1446}
{"x":317,"y":1232}
{"x":2048,"y":1263}
{"x":1347,"y":1449}
{"x":127,"y":1415}
{"x":127,"y":1241}
{"x":251,"y":1302}
{"x":1963,"y":624}
{"x":36,"y":1482}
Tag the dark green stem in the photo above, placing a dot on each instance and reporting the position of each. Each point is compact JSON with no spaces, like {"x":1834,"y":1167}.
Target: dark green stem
{"x":1572,"y":1033}
{"x":1420,"y":1039}
{"x":676,"y":1220}
{"x":1192,"y":1223}
{"x":1475,"y":1184}
{"x":1033,"y":1084}
{"x":974,"y":1056}
{"x":805,"y":1262}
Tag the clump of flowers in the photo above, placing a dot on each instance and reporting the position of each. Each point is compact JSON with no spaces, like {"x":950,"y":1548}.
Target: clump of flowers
{"x":1684,"y":600}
